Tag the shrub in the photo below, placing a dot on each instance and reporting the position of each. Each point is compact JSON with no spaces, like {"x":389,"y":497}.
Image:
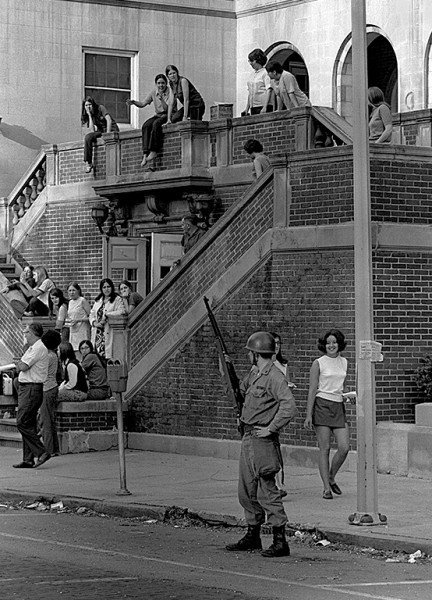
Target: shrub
{"x":423,"y":378}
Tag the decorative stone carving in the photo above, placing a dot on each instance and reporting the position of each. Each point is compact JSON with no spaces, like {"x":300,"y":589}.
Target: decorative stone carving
{"x":158,"y":207}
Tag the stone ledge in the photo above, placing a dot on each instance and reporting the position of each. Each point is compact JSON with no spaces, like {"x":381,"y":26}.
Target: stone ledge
{"x":93,"y":406}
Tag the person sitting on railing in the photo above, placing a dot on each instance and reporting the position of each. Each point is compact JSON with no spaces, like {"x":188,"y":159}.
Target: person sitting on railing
{"x":259,"y":85}
{"x":186,"y":93}
{"x":38,"y":305}
{"x":286,"y":88}
{"x":98,"y":119}
{"x":260,"y":160}
{"x":73,"y":388}
{"x":94,"y":367}
{"x":161,"y":97}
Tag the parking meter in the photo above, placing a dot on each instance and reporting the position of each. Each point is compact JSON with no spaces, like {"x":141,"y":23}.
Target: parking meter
{"x":117,"y":374}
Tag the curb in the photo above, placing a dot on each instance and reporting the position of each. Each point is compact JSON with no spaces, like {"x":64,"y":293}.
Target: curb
{"x":166,"y":513}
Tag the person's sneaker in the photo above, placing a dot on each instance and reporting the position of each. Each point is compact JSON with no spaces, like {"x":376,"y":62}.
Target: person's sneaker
{"x":327,"y":495}
{"x":23,"y":465}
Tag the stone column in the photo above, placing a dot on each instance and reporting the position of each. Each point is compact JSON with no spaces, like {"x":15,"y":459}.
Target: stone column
{"x":302,"y":122}
{"x":112,"y":154}
{"x":194,"y":144}
{"x":52,"y":164}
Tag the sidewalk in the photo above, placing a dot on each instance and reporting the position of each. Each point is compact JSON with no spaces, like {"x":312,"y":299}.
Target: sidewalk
{"x":208,"y":486}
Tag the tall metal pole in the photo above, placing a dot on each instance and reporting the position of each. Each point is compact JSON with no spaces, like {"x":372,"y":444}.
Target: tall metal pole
{"x":367,"y":497}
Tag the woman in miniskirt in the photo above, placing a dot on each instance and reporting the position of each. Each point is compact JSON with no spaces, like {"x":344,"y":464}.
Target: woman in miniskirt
{"x":326,"y":409}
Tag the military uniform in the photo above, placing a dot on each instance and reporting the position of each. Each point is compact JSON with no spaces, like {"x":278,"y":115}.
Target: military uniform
{"x":268,"y":403}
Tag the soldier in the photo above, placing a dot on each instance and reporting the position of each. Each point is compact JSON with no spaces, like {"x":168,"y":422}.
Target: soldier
{"x":268,"y":406}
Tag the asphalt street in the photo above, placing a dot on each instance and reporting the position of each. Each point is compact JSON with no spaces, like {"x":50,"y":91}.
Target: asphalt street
{"x":49,"y":556}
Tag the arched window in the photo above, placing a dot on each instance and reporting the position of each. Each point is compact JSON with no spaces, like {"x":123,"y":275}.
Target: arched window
{"x":292,"y":61}
{"x":382,"y":72}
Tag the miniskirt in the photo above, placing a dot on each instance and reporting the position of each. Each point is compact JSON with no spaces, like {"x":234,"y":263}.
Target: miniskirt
{"x":328,"y":413}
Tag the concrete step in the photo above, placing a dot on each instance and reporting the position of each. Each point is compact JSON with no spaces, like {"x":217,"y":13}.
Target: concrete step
{"x":12,"y":440}
{"x":8,"y":425}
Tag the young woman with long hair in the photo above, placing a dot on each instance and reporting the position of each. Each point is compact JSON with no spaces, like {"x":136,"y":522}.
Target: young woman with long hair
{"x":107,"y":303}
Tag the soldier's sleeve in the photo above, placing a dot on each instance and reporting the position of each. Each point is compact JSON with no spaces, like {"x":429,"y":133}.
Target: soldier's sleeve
{"x":287,"y":407}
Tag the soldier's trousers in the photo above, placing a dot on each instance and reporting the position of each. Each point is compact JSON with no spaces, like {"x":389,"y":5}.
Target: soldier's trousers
{"x":258,"y":494}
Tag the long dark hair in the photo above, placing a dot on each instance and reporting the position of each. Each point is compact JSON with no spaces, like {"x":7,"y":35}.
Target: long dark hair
{"x":279,"y":357}
{"x":113,"y":294}
{"x":66,"y":352}
{"x":101,"y":358}
{"x":96,"y":111}
{"x":57,"y":293}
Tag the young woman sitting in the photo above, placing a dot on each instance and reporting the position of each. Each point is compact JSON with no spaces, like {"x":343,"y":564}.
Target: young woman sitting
{"x":94,"y":368}
{"x":73,"y":388}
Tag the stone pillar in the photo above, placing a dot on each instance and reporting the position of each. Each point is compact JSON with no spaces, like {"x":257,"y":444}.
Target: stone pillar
{"x":4,"y":225}
{"x":194,"y":144}
{"x":112,"y":154}
{"x":221,"y":111}
{"x":223,"y":132}
{"x":52,"y":164}
{"x":302,"y":122}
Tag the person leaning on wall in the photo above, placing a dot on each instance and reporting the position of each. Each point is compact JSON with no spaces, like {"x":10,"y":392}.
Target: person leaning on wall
{"x":380,"y":120}
{"x":287,"y":90}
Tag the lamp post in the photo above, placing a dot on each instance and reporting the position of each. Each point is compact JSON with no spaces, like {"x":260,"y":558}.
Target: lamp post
{"x":367,"y":497}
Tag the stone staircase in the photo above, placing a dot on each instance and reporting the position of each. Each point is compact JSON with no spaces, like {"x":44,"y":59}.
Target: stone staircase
{"x":9,"y":435}
{"x":8,"y":269}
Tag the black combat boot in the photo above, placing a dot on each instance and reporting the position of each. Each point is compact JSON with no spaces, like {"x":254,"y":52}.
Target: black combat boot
{"x":280,"y":545}
{"x":251,"y":541}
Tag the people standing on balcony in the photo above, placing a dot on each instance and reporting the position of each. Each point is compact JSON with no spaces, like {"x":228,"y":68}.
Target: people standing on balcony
{"x":131,"y":299}
{"x":73,"y":388}
{"x":152,"y":134}
{"x":48,"y":409}
{"x":260,"y":160}
{"x":288,"y":93}
{"x":94,"y":368}
{"x":38,"y":305}
{"x":98,"y":120}
{"x":58,"y":310}
{"x":380,"y":120}
{"x":78,"y":316}
{"x":259,"y":85}
{"x":326,"y":410}
{"x":107,"y":303}
{"x":269,"y":406}
{"x":32,"y":373}
{"x":193,"y":105}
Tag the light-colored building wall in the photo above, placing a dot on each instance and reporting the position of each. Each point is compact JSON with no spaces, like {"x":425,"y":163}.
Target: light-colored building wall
{"x":41,"y":62}
{"x":318,"y":30}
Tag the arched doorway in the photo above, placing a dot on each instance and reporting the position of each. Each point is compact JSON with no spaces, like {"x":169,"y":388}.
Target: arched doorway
{"x":382,"y":72}
{"x":292,"y":61}
{"x":428,"y":74}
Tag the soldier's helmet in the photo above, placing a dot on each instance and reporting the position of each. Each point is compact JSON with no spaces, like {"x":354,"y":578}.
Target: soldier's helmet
{"x":261,"y":342}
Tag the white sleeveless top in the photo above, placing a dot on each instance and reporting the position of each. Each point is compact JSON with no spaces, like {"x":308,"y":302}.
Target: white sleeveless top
{"x":331,"y":377}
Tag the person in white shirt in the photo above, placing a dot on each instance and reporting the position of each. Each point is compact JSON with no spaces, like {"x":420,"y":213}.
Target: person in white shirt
{"x":33,"y":372}
{"x":326,"y":409}
{"x":259,"y":85}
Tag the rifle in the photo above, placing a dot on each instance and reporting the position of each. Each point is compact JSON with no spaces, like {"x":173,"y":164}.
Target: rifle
{"x":233,"y":384}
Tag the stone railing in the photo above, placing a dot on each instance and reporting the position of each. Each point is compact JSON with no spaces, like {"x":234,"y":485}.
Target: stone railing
{"x":28,"y":189}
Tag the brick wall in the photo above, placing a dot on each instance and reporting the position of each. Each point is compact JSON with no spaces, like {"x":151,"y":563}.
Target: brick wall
{"x":276,"y":134}
{"x":169,"y":157}
{"x":247,"y":226}
{"x":87,"y":421}
{"x":67,"y":242}
{"x":299,"y":296}
{"x":11,"y":330}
